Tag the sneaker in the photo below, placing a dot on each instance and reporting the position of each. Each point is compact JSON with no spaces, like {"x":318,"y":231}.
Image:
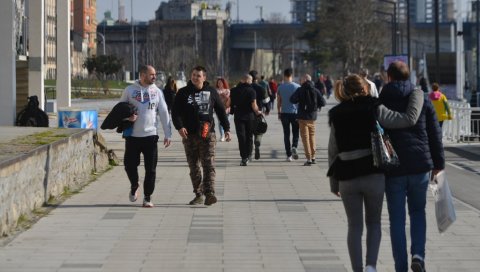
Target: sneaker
{"x":243,"y":163}
{"x":133,"y":195}
{"x":418,"y":265}
{"x":210,"y":199}
{"x":313,"y":161}
{"x":294,"y":153}
{"x":222,"y":139}
{"x":257,"y":153}
{"x":289,"y":159}
{"x":147,"y":203}
{"x":370,"y":268}
{"x":308,"y":163}
{"x":198,"y":200}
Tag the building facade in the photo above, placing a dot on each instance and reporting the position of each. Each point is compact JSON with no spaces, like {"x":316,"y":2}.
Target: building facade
{"x":304,"y":10}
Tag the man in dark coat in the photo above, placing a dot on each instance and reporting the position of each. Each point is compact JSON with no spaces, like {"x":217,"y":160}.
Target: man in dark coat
{"x":420,"y":151}
{"x":244,"y":107}
{"x":309,"y":100}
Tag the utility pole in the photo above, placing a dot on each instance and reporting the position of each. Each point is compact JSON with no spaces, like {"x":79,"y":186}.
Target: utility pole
{"x":409,"y":52}
{"x":261,"y":12}
{"x":437,"y":41}
{"x":477,"y":13}
{"x":133,"y":40}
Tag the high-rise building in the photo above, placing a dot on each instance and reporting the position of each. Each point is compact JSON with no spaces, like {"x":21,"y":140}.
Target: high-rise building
{"x":304,"y":10}
{"x":423,"y":11}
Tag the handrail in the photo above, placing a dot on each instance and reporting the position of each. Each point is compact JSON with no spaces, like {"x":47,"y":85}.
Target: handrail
{"x":465,"y":125}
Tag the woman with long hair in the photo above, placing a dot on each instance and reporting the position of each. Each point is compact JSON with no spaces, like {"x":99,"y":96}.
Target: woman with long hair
{"x":353,"y":177}
{"x":169,"y":92}
{"x":224,"y":91}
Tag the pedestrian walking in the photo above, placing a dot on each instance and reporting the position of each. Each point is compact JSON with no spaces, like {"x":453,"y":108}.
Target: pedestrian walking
{"x":169,"y":92}
{"x":372,"y":87}
{"x":420,"y":152}
{"x":262,"y":99}
{"x":273,"y":88}
{"x":244,"y":108}
{"x":192,"y":116}
{"x":142,"y":137}
{"x":224,"y":91}
{"x":309,"y":100}
{"x":353,"y":177}
{"x":440,"y":103}
{"x":287,"y":114}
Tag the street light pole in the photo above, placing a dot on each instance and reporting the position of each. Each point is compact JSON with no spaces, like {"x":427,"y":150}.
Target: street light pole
{"x":103,"y":41}
{"x":395,"y":28}
{"x":477,"y":12}
{"x":437,"y":41}
{"x":408,"y":36}
{"x":133,"y":40}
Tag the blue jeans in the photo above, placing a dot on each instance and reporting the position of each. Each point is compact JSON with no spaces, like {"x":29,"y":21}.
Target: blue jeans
{"x":413,"y":189}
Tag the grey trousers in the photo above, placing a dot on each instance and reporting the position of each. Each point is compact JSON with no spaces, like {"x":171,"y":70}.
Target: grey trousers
{"x":368,"y":192}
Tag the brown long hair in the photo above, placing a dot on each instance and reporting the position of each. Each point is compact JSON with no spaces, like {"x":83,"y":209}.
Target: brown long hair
{"x":224,"y":82}
{"x":350,"y":87}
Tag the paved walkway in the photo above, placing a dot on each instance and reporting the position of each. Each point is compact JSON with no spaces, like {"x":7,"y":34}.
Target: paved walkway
{"x":271,"y":216}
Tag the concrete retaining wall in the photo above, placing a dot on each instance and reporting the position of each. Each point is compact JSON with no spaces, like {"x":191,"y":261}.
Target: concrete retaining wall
{"x":28,"y":181}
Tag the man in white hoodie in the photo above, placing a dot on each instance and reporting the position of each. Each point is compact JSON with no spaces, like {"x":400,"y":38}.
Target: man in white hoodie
{"x":142,"y":137}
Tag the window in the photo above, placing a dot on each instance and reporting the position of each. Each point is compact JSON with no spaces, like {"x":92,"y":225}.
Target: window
{"x":87,"y":20}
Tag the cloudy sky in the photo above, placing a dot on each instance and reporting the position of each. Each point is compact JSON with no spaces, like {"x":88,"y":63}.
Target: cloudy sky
{"x":249,"y":10}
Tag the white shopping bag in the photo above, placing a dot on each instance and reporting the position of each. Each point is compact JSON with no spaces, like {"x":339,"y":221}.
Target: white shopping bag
{"x":444,"y":209}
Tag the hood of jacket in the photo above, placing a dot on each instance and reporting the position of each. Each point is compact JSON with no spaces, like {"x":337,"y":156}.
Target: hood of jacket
{"x":308,"y":85}
{"x":435,"y":95}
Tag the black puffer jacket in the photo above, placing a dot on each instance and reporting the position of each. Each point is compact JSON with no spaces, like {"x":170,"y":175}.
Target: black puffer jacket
{"x":300,"y":97}
{"x":419,"y":148}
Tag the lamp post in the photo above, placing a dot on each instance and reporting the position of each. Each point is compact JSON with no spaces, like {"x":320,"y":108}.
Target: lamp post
{"x":477,"y":13}
{"x":394,"y":26}
{"x":437,"y":40}
{"x":103,"y":41}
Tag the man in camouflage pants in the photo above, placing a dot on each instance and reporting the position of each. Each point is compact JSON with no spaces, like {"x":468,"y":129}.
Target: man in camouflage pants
{"x":192,"y":116}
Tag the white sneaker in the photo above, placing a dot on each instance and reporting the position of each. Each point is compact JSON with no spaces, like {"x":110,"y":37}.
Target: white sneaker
{"x":222,"y":139}
{"x":147,"y":204}
{"x":294,"y":153}
{"x":370,"y":268}
{"x":289,"y":159}
{"x":133,"y":197}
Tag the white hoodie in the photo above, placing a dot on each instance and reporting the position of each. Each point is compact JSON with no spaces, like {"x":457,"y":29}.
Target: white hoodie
{"x":151,"y":107}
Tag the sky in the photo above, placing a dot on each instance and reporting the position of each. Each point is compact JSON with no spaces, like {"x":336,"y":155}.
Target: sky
{"x":144,"y":10}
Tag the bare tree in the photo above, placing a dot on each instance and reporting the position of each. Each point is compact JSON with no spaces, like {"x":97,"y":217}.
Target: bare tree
{"x":278,"y":37}
{"x":347,"y":31}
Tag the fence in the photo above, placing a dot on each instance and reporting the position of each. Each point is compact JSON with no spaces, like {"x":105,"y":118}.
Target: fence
{"x":465,"y":125}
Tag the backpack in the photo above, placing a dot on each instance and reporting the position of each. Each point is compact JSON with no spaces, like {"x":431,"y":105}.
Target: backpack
{"x":310,"y":100}
{"x":32,"y":115}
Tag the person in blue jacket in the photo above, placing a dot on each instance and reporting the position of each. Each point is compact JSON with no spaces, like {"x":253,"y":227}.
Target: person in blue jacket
{"x":420,"y":152}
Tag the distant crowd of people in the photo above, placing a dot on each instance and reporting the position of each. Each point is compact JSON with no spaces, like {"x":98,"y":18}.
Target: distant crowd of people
{"x":412,"y":120}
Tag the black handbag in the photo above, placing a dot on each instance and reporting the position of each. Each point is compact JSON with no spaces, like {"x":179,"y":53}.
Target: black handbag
{"x":261,"y":125}
{"x":384,"y":156}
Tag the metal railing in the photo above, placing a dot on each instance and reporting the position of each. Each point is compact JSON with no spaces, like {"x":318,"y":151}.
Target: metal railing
{"x":465,"y":125}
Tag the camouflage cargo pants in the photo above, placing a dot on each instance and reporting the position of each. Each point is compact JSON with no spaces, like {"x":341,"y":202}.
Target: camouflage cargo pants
{"x":201,"y":152}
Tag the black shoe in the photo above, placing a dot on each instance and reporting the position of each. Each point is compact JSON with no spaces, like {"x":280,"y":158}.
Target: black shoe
{"x":313,"y":161}
{"x":257,"y":153}
{"x":210,"y":199}
{"x":417,"y":265}
{"x":243,"y":163}
{"x":307,"y":163}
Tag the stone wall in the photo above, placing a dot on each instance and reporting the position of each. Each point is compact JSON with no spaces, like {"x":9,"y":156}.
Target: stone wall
{"x":29,"y":180}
